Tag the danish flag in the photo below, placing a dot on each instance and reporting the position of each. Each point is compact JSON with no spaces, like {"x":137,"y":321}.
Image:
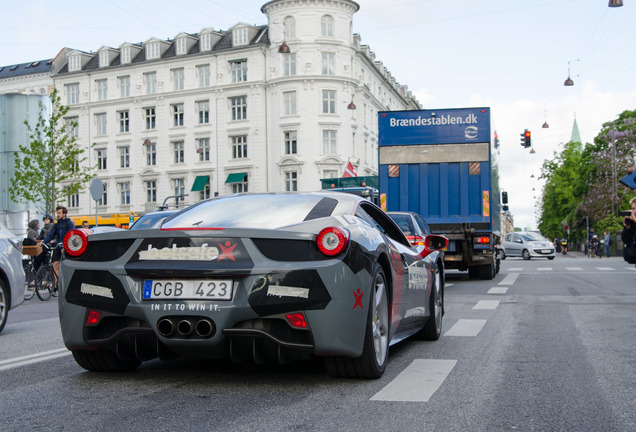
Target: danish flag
{"x":350,"y":171}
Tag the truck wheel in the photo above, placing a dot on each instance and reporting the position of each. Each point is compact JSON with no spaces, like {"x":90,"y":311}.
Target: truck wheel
{"x":473,"y":272}
{"x":525,"y":254}
{"x":487,"y":271}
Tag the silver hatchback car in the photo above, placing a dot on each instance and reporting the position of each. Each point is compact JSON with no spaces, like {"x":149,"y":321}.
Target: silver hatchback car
{"x":527,"y":244}
{"x":11,"y":273}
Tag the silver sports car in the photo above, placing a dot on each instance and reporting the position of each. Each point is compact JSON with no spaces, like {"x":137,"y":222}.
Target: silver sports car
{"x":252,"y":277}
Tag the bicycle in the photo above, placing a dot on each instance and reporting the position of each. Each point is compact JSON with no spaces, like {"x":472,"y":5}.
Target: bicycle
{"x":30,"y":276}
{"x":46,"y":278}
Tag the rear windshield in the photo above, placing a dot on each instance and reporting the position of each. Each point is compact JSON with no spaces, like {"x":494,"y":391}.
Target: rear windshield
{"x":404,"y":222}
{"x":254,"y":211}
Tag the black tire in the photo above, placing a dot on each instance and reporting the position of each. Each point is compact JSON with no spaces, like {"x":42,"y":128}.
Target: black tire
{"x":29,"y":283}
{"x":473,"y":272}
{"x":503,"y":255}
{"x":497,"y":266}
{"x":487,"y":271}
{"x":44,"y":283}
{"x":101,"y":360}
{"x":525,"y":255}
{"x":433,"y":328}
{"x":4,"y":304}
{"x":375,"y":352}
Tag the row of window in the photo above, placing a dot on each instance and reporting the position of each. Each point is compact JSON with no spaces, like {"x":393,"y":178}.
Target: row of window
{"x":238,"y":69}
{"x":238,"y":144}
{"x":237,"y":106}
{"x":178,"y":187}
{"x":240,"y":36}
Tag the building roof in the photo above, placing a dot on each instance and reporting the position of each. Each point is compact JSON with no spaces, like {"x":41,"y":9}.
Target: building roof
{"x":30,"y":68}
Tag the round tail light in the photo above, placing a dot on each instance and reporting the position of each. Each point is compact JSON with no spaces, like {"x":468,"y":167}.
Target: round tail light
{"x":332,"y":241}
{"x":76,"y":242}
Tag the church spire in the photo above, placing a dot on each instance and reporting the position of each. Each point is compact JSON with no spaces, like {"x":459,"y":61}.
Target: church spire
{"x":576,"y":136}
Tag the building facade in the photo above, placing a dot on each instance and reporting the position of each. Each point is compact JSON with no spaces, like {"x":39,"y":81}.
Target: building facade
{"x":275,"y":107}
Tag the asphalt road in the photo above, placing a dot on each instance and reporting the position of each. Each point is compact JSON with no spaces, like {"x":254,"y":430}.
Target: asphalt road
{"x":545,"y":346}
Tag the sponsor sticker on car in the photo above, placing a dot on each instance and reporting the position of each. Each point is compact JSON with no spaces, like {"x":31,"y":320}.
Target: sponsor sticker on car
{"x":188,"y":289}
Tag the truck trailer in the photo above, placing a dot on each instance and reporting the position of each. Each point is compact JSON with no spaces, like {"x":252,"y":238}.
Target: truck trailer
{"x":441,"y":165}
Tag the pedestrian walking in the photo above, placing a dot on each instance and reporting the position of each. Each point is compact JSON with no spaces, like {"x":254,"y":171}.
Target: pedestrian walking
{"x":628,"y":236}
{"x":608,"y":243}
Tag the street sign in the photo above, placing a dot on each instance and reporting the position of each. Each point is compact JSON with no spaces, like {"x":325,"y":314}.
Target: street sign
{"x":567,"y":227}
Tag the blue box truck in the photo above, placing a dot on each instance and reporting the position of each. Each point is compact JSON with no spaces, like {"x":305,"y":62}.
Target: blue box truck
{"x":440,"y":164}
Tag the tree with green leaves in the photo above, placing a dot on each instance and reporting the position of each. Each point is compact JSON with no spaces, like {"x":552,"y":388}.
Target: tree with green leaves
{"x":51,"y":166}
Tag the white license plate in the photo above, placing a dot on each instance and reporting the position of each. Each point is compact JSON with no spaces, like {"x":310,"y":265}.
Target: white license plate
{"x":188,"y":289}
{"x":546,"y":250}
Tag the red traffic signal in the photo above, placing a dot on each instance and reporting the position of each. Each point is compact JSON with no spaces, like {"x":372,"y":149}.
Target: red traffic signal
{"x":526,"y":138}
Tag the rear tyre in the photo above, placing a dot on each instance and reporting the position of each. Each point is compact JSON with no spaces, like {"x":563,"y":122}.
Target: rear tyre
{"x":44,"y":283}
{"x":375,"y":351}
{"x":4,"y":304}
{"x":487,"y":271}
{"x":525,"y":254}
{"x":473,"y":272}
{"x":101,"y":360}
{"x":433,"y":327}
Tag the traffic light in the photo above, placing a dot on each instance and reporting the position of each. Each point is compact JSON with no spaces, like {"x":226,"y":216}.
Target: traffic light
{"x":525,"y":139}
{"x":504,"y":201}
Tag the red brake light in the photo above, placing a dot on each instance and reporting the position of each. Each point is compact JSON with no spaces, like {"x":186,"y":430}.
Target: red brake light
{"x":332,"y":241}
{"x":482,"y":240}
{"x":297,"y":320}
{"x":76,"y":241}
{"x":415,"y":240}
{"x":93,"y":317}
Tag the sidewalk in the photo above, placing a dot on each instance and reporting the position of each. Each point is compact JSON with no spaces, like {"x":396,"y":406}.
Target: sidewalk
{"x":582,"y":255}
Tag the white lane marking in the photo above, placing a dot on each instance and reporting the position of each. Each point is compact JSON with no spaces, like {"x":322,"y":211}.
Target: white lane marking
{"x":418,"y":382}
{"x":574,"y":268}
{"x":515,"y":269}
{"x":466,"y":327}
{"x":544,"y":268}
{"x":497,"y":290}
{"x":486,"y":304}
{"x":448,"y":284}
{"x":33,"y":358}
{"x":605,"y":268}
{"x":509,"y":279}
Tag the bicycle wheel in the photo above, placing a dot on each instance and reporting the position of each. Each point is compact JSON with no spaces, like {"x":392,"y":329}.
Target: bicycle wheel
{"x":44,"y":283}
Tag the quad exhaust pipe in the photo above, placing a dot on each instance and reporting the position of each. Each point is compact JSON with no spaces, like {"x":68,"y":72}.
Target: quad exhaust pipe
{"x":186,"y":327}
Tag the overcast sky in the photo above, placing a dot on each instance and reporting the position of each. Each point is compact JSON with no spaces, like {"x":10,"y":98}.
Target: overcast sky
{"x":510,"y":56}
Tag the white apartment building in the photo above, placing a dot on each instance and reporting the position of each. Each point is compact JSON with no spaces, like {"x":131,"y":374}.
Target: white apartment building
{"x":221,"y":112}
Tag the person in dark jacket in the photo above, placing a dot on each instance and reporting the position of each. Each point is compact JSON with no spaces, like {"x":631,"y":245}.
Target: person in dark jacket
{"x":32,"y":233}
{"x":42,"y":257}
{"x":56,"y":235}
{"x":629,"y":231}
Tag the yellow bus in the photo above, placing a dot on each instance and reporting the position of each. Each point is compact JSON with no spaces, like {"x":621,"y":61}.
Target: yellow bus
{"x":115,"y":220}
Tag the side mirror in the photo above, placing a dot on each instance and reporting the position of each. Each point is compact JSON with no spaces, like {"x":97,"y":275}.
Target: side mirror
{"x":432,"y":243}
{"x":435,"y":242}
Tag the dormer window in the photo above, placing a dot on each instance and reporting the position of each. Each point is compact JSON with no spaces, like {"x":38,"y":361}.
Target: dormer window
{"x":74,"y":63}
{"x":326,"y":26}
{"x":103,"y":59}
{"x":206,"y":42}
{"x":239,"y":36}
{"x":181,"y":46}
{"x":152,"y":51}
{"x":289,"y":28}
{"x":125,"y":55}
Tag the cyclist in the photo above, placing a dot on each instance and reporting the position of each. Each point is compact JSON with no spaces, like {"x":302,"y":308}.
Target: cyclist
{"x":43,"y":257}
{"x":56,"y":236}
{"x":595,"y":249}
{"x":564,"y":246}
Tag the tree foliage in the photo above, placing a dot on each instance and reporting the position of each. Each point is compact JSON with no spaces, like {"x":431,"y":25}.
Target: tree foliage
{"x":51,"y":166}
{"x":582,"y":183}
